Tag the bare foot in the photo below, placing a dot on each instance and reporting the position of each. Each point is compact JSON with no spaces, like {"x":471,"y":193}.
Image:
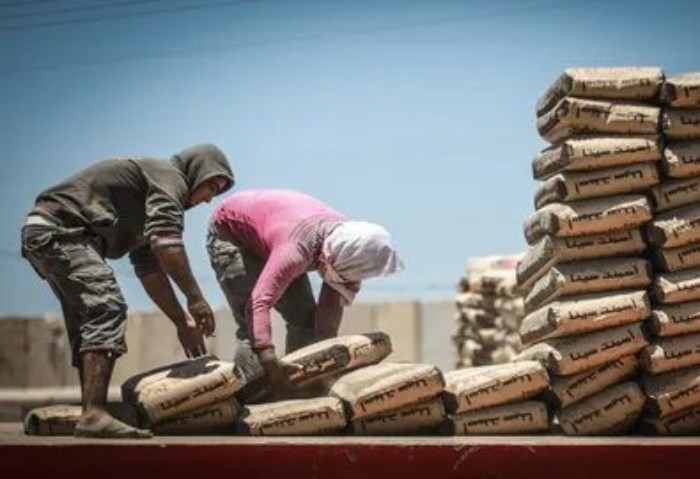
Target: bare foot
{"x":102,"y":425}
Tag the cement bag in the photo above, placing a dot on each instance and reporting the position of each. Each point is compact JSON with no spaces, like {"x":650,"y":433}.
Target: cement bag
{"x":494,"y":282}
{"x":574,"y":354}
{"x":677,"y":259}
{"x":677,"y":287}
{"x":216,"y":418}
{"x":682,"y":423}
{"x":615,"y":83}
{"x":187,"y":388}
{"x":474,"y":301}
{"x":612,"y":411}
{"x":589,"y":276}
{"x":672,"y":353}
{"x":671,"y":392}
{"x":297,"y":417}
{"x":572,"y":186}
{"x":576,"y":117}
{"x":56,"y":420}
{"x":479,"y":317}
{"x":61,"y":419}
{"x":567,"y":390}
{"x":682,"y":160}
{"x":383,"y":387}
{"x":551,"y":251}
{"x":485,"y":264}
{"x":424,"y":417}
{"x":681,"y":124}
{"x":584,"y":314}
{"x":674,"y":193}
{"x":525,"y":417}
{"x":490,"y":303}
{"x":676,"y":227}
{"x":682,"y":91}
{"x":485,"y":386}
{"x":132,"y":387}
{"x":588,"y":217}
{"x":595,"y":153}
{"x":673,"y":320}
{"x":331,"y":356}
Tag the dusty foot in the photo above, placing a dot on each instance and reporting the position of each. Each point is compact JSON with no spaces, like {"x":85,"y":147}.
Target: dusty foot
{"x":102,"y":425}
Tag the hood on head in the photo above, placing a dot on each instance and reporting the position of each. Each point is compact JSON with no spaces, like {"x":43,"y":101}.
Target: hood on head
{"x":200,"y":163}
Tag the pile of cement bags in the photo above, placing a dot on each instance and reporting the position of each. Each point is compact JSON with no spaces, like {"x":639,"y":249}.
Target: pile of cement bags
{"x":585,"y":271}
{"x":671,"y":362}
{"x":489,"y":311}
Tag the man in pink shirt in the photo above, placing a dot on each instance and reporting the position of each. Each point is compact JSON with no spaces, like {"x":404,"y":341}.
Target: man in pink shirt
{"x":261,"y":244}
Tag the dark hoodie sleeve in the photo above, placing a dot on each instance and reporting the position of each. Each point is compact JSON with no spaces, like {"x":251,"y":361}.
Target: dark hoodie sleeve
{"x":166,"y":196}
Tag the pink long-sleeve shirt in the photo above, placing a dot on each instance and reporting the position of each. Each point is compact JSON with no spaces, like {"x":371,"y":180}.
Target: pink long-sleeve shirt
{"x":286,"y":228}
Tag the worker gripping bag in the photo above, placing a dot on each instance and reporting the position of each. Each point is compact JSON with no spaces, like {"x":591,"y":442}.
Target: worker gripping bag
{"x":330,"y":357}
{"x":485,"y":386}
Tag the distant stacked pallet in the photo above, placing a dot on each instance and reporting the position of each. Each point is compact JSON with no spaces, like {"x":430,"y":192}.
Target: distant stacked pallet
{"x":489,"y":311}
{"x":585,"y":273}
{"x":672,"y":361}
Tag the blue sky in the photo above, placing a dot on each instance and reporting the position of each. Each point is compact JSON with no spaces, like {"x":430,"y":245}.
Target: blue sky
{"x":415,"y":114}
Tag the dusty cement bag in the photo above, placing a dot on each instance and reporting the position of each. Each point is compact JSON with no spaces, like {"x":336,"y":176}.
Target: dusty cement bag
{"x":682,"y":159}
{"x":670,"y":354}
{"x":479,"y":318}
{"x":132,"y":387}
{"x":490,"y":303}
{"x":677,"y":287}
{"x":669,"y":393}
{"x":525,"y":417}
{"x":585,"y":314}
{"x":567,"y":390}
{"x":572,"y":186}
{"x":681,"y":124}
{"x":682,"y":318}
{"x":494,"y":282}
{"x":382,"y":387}
{"x":574,"y":354}
{"x":186,"y":388}
{"x":485,"y":386}
{"x":588,"y":217}
{"x":297,"y":417}
{"x":576,"y":116}
{"x":551,"y":251}
{"x":613,"y":83}
{"x":61,"y":419}
{"x":682,"y":91}
{"x":677,"y":227}
{"x":484,"y":264}
{"x":590,"y":276}
{"x":424,"y":417}
{"x":677,"y":259}
{"x":216,"y":418}
{"x":682,"y":423}
{"x":674,"y":193}
{"x":332,"y":356}
{"x":595,"y":153}
{"x":612,"y":411}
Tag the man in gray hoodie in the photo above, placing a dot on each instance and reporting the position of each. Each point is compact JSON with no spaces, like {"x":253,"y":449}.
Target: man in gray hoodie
{"x":114,"y":208}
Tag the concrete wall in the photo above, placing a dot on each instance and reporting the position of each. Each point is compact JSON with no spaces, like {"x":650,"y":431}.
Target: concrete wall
{"x":34,"y":351}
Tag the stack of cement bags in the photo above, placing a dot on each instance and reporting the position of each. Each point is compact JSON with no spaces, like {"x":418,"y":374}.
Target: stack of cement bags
{"x":584,"y":273}
{"x":191,"y":397}
{"x":672,"y":360}
{"x":489,"y":311}
{"x":496,"y":399}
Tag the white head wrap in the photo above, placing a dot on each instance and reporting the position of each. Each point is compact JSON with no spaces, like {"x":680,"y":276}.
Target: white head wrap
{"x":357,"y":250}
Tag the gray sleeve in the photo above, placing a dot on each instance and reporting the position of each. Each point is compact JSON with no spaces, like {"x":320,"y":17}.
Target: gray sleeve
{"x":144,"y":261}
{"x":165,"y":200}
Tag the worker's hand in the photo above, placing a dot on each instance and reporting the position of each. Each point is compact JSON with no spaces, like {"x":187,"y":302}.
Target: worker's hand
{"x":276,"y":373}
{"x":202,"y":314}
{"x":191,"y":339}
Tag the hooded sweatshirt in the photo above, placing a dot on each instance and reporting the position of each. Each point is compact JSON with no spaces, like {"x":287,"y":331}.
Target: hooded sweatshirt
{"x":125,"y":203}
